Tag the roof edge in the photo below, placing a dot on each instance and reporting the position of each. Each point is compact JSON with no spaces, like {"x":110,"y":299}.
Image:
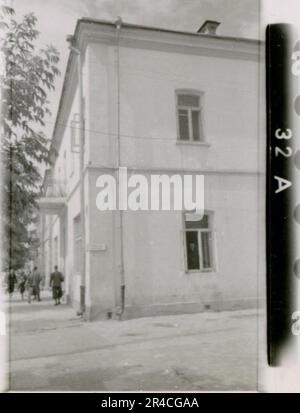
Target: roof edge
{"x":125,"y":25}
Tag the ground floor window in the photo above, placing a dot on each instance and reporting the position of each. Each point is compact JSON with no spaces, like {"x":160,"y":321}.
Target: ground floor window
{"x":199,"y":242}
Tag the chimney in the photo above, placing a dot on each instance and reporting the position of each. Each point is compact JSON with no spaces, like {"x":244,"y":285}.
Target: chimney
{"x":209,"y":27}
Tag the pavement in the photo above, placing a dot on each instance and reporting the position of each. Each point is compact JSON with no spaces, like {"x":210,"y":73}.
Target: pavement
{"x":52,"y":349}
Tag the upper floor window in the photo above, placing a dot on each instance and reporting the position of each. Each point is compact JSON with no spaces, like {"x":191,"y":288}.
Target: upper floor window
{"x":189,"y":116}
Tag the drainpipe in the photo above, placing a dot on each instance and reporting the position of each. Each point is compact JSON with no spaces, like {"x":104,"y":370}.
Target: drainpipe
{"x":75,"y":50}
{"x":118,"y":24}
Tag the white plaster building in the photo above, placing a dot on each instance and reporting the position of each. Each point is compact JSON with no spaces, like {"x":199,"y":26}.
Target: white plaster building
{"x":159,"y":102}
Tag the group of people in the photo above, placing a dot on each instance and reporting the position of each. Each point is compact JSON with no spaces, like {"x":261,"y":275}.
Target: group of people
{"x":31,"y":282}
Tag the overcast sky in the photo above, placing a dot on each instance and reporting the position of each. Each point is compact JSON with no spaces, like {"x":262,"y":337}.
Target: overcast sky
{"x":57,"y":18}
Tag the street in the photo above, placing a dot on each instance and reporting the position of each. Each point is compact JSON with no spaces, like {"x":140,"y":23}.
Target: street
{"x":51,"y":349}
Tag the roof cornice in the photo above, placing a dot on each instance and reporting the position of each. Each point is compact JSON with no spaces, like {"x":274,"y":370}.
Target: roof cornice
{"x":89,"y":30}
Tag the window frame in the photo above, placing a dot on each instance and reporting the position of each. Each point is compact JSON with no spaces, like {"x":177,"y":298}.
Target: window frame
{"x":213,"y":252}
{"x":190,"y":109}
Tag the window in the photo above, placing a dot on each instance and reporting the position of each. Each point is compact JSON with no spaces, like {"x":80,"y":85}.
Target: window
{"x":77,"y":245}
{"x":199,"y":242}
{"x":189,"y":115}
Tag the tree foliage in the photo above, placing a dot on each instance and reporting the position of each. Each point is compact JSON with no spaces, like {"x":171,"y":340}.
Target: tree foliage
{"x":28,"y":78}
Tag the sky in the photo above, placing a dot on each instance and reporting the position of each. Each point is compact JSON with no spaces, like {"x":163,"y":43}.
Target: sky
{"x":241,"y":18}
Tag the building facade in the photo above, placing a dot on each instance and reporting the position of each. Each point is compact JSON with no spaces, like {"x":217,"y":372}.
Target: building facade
{"x":157,"y":102}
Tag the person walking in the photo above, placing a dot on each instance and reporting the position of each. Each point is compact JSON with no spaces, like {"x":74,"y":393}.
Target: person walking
{"x":33,"y":284}
{"x":29,"y":287}
{"x":11,"y":281}
{"x":36,"y":278}
{"x":22,"y":284}
{"x":56,"y":280}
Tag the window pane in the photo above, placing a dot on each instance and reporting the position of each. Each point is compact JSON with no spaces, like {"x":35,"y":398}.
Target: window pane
{"x":183,"y":112}
{"x":206,"y":249}
{"x":183,"y":125}
{"x":203,"y":223}
{"x":188,"y":100}
{"x":195,"y":123}
{"x":192,"y":250}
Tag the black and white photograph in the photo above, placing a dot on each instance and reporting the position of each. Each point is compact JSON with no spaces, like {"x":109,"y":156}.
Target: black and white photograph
{"x":134,"y":190}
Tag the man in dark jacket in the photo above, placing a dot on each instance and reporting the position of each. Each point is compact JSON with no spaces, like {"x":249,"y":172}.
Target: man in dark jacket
{"x":33,"y":284}
{"x":11,"y":281}
{"x":56,"y":280}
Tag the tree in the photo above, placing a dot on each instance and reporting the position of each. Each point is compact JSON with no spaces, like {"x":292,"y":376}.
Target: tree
{"x":28,"y":78}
